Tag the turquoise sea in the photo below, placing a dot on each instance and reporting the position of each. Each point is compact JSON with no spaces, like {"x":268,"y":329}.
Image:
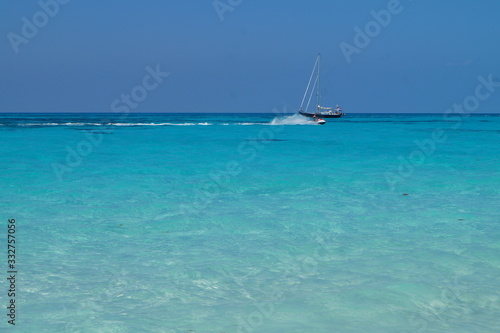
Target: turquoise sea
{"x":265,"y":223}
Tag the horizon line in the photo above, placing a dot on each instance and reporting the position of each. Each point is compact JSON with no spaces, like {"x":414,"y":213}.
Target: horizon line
{"x":138,"y":113}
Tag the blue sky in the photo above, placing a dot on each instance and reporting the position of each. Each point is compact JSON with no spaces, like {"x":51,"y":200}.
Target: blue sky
{"x":256,"y":58}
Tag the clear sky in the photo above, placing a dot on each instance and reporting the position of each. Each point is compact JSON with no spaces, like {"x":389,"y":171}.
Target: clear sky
{"x":245,"y":55}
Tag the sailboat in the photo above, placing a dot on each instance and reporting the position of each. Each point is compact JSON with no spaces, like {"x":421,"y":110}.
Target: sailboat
{"x":321,"y":111}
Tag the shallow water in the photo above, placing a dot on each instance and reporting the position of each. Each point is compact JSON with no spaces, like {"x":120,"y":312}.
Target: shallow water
{"x":253,"y":222}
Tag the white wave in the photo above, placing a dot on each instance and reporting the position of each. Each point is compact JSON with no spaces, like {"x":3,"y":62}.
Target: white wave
{"x":60,"y":124}
{"x":80,"y":124}
{"x":38,"y":124}
{"x":141,"y":124}
{"x":161,"y":124}
{"x":282,"y":120}
{"x":114,"y":124}
{"x":190,"y":124}
{"x":295,"y":119}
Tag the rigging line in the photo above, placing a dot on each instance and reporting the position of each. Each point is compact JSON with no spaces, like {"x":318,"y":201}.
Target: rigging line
{"x":311,"y":95}
{"x":309,"y":83}
{"x":318,"y":90}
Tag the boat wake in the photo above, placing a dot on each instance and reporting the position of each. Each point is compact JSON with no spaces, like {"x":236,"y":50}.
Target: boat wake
{"x":295,"y":119}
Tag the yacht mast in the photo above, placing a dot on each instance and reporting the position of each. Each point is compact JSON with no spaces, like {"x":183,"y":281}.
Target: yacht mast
{"x":317,"y":91}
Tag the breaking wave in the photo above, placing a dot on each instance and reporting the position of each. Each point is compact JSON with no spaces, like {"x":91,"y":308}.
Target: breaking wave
{"x":131,"y":124}
{"x":105,"y":124}
{"x":295,"y":119}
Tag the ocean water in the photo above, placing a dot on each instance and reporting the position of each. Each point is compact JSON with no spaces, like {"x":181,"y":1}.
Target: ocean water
{"x":265,"y":223}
